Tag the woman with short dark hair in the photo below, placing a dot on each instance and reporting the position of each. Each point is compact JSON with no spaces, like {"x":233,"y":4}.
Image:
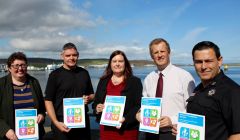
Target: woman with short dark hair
{"x":19,"y":90}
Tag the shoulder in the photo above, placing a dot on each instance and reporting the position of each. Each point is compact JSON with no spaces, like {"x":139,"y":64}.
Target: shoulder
{"x":56,"y":71}
{"x":229,"y":83}
{"x":133,"y":79}
{"x":3,"y":81}
{"x":180,"y":72}
{"x":105,"y":80}
{"x":82,"y":70}
{"x":32,"y":79}
{"x":3,"y":78}
{"x":151,"y":74}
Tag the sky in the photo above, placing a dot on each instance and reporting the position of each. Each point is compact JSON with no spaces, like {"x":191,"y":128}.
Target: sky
{"x":40,"y":28}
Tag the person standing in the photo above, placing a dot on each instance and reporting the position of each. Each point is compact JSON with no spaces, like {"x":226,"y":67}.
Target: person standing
{"x":19,"y":90}
{"x":118,"y":80}
{"x":217,"y":97}
{"x":68,"y":81}
{"x":177,"y":85}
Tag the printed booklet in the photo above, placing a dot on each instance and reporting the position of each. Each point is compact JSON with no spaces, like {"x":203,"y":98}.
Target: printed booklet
{"x":74,"y":112}
{"x":26,"y":126}
{"x":190,"y":127}
{"x":150,"y":113}
{"x":113,"y":110}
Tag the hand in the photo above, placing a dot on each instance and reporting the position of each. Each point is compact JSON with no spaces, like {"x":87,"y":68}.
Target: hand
{"x":174,"y":129}
{"x":40,"y":118}
{"x":99,"y":108}
{"x":165,"y":122}
{"x":138,"y":116}
{"x":86,"y":99}
{"x":121,"y":121}
{"x":11,"y":135}
{"x":62,"y":127}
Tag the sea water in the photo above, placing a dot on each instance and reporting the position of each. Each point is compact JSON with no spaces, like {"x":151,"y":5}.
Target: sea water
{"x":141,"y":72}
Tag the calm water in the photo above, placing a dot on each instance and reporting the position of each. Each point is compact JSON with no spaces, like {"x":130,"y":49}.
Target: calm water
{"x":141,"y":72}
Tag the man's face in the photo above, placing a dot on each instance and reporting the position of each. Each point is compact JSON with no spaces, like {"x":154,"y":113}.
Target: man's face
{"x":207,"y":65}
{"x":160,"y":55}
{"x":70,"y":57}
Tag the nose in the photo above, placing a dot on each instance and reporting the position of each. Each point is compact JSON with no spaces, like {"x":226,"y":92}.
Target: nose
{"x":159,"y":54}
{"x":20,"y":67}
{"x":203,"y":66}
{"x":117,"y":63}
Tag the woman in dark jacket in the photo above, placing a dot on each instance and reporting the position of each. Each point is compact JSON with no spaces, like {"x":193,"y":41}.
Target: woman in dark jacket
{"x":118,"y":80}
{"x":18,"y":90}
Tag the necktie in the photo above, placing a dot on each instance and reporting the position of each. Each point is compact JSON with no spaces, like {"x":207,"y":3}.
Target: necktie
{"x":159,"y":86}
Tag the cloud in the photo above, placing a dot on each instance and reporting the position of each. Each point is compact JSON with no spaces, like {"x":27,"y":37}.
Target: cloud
{"x":105,"y":50}
{"x":52,"y":43}
{"x":41,"y":28}
{"x":26,"y":18}
{"x":182,"y":8}
{"x":193,"y":34}
{"x":51,"y":46}
{"x":87,"y":5}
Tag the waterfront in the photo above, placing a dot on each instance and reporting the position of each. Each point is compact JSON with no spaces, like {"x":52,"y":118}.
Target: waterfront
{"x":141,"y":72}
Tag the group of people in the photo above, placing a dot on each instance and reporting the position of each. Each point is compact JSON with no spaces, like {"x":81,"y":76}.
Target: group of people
{"x":217,"y":97}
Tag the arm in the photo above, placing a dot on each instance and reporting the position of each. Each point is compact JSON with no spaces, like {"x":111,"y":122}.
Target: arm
{"x":234,"y":137}
{"x":5,"y":129}
{"x":187,"y":84}
{"x":88,"y":98}
{"x":97,"y":105}
{"x":40,"y":101}
{"x":4,"y":126}
{"x":52,"y":115}
{"x":135,"y":92}
{"x":89,"y":93}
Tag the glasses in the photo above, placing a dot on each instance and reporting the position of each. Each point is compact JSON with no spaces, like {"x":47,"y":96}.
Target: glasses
{"x":17,"y":66}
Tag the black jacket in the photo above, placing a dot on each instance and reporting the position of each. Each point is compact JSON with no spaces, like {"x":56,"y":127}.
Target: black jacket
{"x":7,"y":118}
{"x":133,"y":93}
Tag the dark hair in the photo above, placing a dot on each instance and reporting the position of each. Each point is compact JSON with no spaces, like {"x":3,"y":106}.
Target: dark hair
{"x":206,"y":45}
{"x":69,"y":46}
{"x":157,"y":41}
{"x":108,"y":71}
{"x":14,"y":56}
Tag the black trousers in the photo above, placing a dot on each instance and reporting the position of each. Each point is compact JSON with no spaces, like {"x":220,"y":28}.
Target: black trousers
{"x":73,"y":134}
{"x":161,"y":136}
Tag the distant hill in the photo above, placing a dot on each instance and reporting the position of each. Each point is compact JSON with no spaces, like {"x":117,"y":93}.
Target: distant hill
{"x":43,"y":62}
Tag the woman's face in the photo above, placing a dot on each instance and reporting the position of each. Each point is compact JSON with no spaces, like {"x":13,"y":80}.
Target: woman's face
{"x":118,"y":64}
{"x":18,"y":69}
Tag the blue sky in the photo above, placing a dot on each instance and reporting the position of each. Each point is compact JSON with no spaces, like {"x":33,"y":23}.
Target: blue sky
{"x":41,"y":27}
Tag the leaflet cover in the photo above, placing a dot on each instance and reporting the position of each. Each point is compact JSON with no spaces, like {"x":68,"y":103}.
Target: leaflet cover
{"x":190,"y":127}
{"x":150,"y":114}
{"x":113,"y":110}
{"x":74,"y":112}
{"x":26,"y":126}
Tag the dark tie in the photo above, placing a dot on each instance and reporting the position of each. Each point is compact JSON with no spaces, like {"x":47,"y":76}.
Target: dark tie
{"x":159,"y":86}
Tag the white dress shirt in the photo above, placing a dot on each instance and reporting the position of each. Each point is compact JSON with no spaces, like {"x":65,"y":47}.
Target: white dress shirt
{"x":178,"y":85}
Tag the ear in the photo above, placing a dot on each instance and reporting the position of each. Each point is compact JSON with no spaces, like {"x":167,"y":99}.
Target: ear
{"x":220,"y":61}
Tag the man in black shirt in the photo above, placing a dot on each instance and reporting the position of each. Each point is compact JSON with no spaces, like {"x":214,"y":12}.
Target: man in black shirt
{"x":217,"y":97}
{"x":68,"y":81}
